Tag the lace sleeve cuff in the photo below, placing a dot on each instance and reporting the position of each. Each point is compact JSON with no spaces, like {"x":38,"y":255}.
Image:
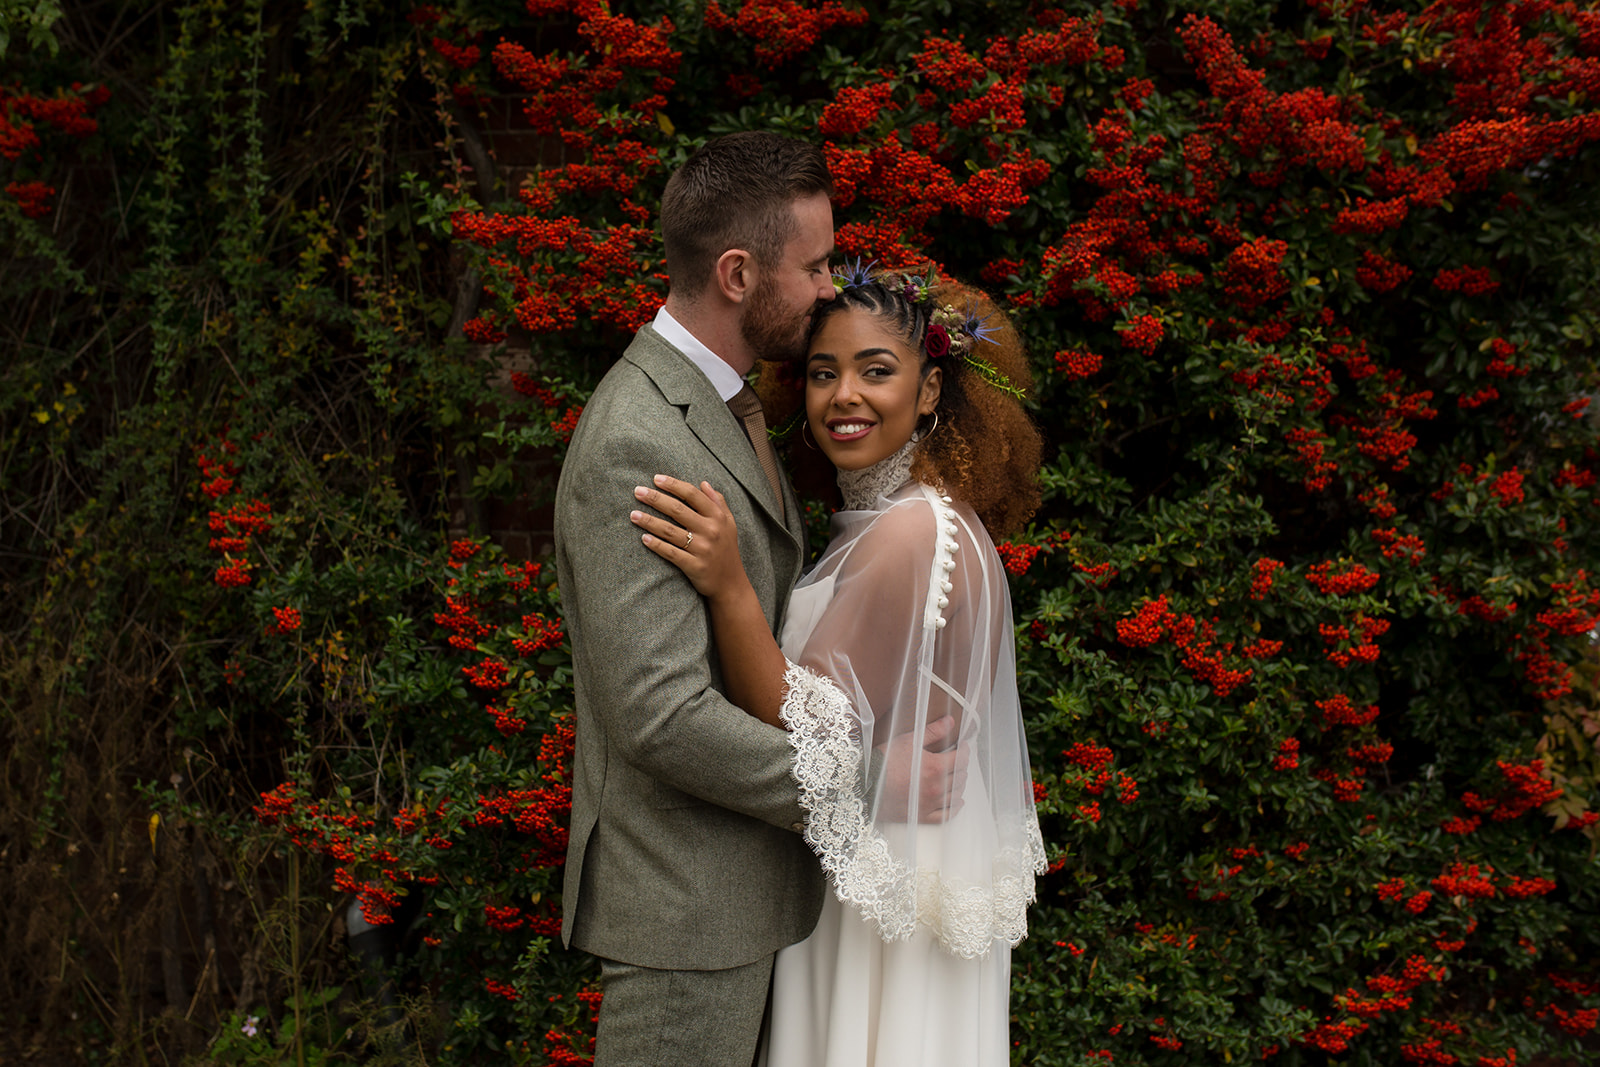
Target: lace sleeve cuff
{"x":831,"y":764}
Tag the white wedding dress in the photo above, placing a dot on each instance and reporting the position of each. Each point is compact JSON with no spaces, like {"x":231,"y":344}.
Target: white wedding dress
{"x":904,"y":619}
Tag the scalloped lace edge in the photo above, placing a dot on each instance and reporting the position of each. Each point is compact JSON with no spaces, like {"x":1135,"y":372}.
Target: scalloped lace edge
{"x":966,"y":920}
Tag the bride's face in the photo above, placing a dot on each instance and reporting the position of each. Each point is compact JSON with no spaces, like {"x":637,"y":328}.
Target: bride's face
{"x":865,"y":389}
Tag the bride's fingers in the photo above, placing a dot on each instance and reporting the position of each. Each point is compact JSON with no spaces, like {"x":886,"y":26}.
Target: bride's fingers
{"x":691,"y":495}
{"x":668,"y":546}
{"x":702,"y":511}
{"x":661,"y":529}
{"x":718,"y":501}
{"x":668,"y":505}
{"x":667,"y":551}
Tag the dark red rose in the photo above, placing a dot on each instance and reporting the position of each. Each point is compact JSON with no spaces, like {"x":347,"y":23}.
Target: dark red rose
{"x":936,"y":342}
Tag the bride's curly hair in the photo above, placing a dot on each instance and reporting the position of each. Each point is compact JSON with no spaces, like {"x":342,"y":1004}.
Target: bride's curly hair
{"x":984,"y":449}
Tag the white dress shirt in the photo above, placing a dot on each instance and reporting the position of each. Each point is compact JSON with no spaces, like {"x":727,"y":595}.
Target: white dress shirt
{"x":724,"y":379}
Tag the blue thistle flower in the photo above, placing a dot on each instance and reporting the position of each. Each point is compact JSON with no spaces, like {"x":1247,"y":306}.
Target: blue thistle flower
{"x":978,"y":328}
{"x":854,"y":275}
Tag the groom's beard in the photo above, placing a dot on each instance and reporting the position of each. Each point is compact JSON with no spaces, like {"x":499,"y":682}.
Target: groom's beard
{"x":773,"y":333}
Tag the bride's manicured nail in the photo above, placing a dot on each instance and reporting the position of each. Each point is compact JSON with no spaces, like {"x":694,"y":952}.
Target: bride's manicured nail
{"x":635,"y":515}
{"x":640,"y":491}
{"x":661,"y":479}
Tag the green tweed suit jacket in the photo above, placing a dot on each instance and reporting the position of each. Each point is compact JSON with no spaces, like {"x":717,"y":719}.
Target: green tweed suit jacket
{"x":684,"y":850}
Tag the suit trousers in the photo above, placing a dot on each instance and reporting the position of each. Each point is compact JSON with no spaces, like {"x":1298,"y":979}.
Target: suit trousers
{"x":656,"y":1018}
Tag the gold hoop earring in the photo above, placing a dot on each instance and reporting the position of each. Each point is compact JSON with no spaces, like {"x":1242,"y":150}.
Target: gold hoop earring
{"x":932,"y":428}
{"x":804,"y":426}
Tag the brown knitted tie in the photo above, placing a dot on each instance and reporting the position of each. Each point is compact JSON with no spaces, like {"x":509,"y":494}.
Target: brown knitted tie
{"x":747,"y":406}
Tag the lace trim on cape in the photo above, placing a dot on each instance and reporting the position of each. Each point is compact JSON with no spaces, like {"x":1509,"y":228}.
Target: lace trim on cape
{"x":965,"y":919}
{"x":861,"y":489}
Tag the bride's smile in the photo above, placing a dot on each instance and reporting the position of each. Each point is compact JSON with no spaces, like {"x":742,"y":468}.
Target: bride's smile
{"x":847,"y":429}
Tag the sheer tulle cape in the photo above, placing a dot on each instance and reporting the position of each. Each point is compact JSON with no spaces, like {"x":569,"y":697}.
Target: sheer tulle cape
{"x":917,"y":626}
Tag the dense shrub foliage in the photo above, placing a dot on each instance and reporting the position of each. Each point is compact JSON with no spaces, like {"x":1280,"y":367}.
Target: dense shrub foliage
{"x":302,"y":296}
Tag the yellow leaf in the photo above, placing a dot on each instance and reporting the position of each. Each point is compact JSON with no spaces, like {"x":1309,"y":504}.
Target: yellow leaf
{"x":665,"y":123}
{"x":42,"y":416}
{"x":155,"y":824}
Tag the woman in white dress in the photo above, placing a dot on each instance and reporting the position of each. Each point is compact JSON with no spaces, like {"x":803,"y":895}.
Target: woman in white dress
{"x":912,"y":391}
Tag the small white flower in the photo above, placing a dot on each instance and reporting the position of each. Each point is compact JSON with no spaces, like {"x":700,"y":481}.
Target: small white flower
{"x":249,"y":1027}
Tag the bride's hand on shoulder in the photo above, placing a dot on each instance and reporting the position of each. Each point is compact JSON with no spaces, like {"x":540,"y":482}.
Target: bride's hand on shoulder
{"x":698,"y":534}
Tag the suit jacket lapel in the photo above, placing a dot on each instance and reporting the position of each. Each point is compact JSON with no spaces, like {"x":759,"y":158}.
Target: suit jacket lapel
{"x":705,"y":413}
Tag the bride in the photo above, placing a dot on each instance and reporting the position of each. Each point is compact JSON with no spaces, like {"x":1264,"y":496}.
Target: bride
{"x":912,"y":391}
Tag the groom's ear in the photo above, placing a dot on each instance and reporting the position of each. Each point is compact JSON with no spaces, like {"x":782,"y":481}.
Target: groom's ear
{"x":735,"y":275}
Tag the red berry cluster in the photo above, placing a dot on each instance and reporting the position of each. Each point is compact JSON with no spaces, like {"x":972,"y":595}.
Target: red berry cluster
{"x":1194,"y":639}
{"x":1500,"y":365}
{"x":1469,"y":281}
{"x":286,"y":620}
{"x":1341,"y":653}
{"x":1524,"y":788}
{"x":233,"y":527}
{"x":1354,"y":578}
{"x":1017,"y":558}
{"x":1261,"y":576}
{"x":783,"y":29}
{"x":33,"y":197}
{"x":1077,"y":365}
{"x":1407,"y":547}
{"x":489,"y":674}
{"x":1379,"y":274}
{"x":542,"y":634}
{"x":1337,"y":710}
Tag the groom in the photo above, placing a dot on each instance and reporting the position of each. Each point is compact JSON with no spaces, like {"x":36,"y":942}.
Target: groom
{"x":686,"y":870}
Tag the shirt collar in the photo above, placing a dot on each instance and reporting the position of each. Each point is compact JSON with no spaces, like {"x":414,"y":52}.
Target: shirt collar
{"x":724,"y":378}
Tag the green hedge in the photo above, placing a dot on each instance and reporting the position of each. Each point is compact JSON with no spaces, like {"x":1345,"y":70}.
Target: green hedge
{"x":1304,"y":624}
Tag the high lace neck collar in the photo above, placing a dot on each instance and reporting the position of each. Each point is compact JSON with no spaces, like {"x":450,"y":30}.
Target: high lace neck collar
{"x":862,"y":488}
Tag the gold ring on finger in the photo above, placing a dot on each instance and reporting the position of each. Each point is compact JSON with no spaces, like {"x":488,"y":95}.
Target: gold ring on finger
{"x":688,"y":539}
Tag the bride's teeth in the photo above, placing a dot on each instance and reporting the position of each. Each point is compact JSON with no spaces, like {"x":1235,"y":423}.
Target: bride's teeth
{"x":850,"y":428}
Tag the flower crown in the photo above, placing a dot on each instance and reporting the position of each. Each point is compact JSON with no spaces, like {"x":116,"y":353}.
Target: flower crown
{"x":949,"y":333}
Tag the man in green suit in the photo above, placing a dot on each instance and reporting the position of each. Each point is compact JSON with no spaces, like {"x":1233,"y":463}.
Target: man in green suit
{"x":686,"y":870}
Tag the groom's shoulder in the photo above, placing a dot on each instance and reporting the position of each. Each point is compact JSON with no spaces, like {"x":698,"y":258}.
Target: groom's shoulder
{"x":638,"y":401}
{"x":649,"y":369}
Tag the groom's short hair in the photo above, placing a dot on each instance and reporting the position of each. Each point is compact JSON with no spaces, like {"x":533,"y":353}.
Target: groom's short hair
{"x":737,"y":191}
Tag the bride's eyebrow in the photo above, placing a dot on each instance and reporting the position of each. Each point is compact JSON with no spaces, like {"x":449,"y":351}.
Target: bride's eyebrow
{"x":859,"y":357}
